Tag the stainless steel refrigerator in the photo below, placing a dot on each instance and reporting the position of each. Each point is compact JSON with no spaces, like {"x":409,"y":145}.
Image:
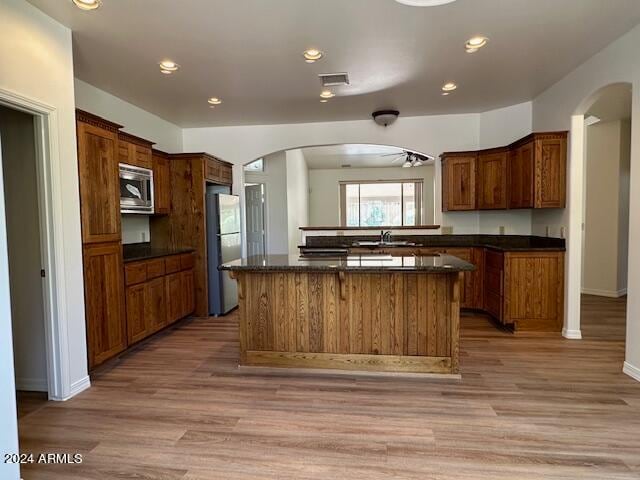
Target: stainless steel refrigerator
{"x":223,"y":245}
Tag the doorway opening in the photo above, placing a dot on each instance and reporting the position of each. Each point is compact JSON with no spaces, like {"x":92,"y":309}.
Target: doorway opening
{"x":607,"y":154}
{"x":22,"y":199}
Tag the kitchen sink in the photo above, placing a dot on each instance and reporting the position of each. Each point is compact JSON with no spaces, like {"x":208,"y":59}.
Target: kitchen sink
{"x":399,"y":243}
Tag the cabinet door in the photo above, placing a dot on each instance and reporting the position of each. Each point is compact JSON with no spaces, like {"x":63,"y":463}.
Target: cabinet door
{"x":161,"y":185}
{"x":174,"y":296}
{"x":104,"y":302}
{"x":492,"y":180}
{"x":466,"y":288}
{"x":99,"y":184}
{"x":188,"y":293}
{"x":494,"y":283}
{"x":137,"y":325}
{"x":550,"y":173}
{"x":226,"y":174}
{"x":155,"y":304}
{"x":534,"y":290}
{"x":212,"y":170}
{"x":459,"y":185}
{"x":521,"y":177}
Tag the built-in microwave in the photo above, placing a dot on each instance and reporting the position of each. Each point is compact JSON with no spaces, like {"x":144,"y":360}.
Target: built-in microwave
{"x":136,"y":189}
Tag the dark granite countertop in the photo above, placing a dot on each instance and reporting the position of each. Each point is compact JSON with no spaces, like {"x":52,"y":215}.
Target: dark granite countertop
{"x":378,"y":263}
{"x":134,"y":252}
{"x":505,"y":243}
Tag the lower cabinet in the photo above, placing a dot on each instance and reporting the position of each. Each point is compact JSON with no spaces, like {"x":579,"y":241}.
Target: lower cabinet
{"x":523,"y":290}
{"x":155,"y":299}
{"x":104,"y":301}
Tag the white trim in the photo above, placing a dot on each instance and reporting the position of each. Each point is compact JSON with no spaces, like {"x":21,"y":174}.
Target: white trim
{"x":78,"y":386}
{"x":32,"y":384}
{"x":604,"y":293}
{"x":52,"y":239}
{"x":572,"y":334}
{"x":631,"y":370}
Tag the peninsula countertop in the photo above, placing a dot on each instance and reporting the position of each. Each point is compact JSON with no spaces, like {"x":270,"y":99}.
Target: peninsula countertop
{"x":360,"y":262}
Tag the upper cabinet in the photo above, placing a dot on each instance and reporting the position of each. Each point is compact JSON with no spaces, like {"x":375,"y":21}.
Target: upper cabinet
{"x":161,"y":182}
{"x":217,"y":171}
{"x":459,"y":182}
{"x":492,"y":181}
{"x":134,"y":150}
{"x":98,"y":178}
{"x":529,"y":173}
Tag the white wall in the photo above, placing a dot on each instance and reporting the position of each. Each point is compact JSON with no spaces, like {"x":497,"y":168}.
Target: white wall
{"x":605,"y":250}
{"x":276,"y":217}
{"x":17,"y":131}
{"x":37,"y":63}
{"x":558,"y":108}
{"x":505,"y":125}
{"x":297,"y":197}
{"x":324,"y":199}
{"x":166,"y":136}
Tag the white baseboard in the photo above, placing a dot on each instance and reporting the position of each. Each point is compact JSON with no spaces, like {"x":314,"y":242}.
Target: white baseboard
{"x":605,"y":293}
{"x":32,"y":384}
{"x":79,"y":386}
{"x":632,"y":371}
{"x":572,"y":334}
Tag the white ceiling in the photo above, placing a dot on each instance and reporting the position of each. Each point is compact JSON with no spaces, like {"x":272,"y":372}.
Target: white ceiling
{"x":613,"y":104}
{"x":249,"y":54}
{"x":356,"y":155}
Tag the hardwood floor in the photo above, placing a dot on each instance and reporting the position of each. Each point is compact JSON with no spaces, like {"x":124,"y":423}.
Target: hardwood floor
{"x":527,"y":407}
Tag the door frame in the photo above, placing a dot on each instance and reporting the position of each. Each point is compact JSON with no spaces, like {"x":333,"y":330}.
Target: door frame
{"x":54,"y":293}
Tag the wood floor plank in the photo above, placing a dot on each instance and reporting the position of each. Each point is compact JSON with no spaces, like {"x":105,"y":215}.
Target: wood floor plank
{"x":178,"y":408}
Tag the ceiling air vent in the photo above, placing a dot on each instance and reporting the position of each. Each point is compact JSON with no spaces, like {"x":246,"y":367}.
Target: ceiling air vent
{"x":334,"y":79}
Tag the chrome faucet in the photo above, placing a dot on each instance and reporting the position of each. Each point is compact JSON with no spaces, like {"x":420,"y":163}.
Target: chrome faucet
{"x":385,"y":237}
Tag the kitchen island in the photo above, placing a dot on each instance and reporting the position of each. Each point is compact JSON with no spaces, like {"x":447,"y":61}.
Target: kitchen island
{"x":357,"y":312}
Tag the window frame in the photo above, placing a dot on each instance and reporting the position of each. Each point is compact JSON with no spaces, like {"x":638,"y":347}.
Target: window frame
{"x":418,"y":190}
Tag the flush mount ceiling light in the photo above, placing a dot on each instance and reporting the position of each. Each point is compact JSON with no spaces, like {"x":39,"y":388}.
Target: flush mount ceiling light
{"x":591,"y":120}
{"x":87,"y":4}
{"x":168,"y":67}
{"x":424,"y":3}
{"x":214,"y":101}
{"x":327,"y":94}
{"x":475,"y":43}
{"x":449,"y":87}
{"x":385,"y":118}
{"x":312,"y":55}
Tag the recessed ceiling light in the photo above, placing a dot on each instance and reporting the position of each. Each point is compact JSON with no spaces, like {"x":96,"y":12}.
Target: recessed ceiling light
{"x":312,"y":55}
{"x":214,"y":101}
{"x":424,"y":3}
{"x":449,"y":87}
{"x":475,"y":43}
{"x":168,"y":67}
{"x":327,"y":94}
{"x":87,"y":4}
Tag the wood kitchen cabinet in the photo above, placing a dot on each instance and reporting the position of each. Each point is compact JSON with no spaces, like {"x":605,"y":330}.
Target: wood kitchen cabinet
{"x":98,"y":178}
{"x":161,"y":183}
{"x":104,"y":301}
{"x":134,"y":150}
{"x":529,"y":173}
{"x":459,"y":182}
{"x":159,"y":292}
{"x":492,"y":180}
{"x":538,"y":171}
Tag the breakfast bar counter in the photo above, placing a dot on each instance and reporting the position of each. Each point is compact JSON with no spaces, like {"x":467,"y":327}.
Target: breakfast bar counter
{"x":357,"y":312}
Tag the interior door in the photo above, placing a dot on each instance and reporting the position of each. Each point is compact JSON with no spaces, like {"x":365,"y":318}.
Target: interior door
{"x":255,"y":200}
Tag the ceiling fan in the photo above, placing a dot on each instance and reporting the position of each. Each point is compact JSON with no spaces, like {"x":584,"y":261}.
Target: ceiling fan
{"x":409,"y":159}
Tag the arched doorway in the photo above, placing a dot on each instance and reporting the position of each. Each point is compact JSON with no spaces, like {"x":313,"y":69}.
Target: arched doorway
{"x":599,"y":209}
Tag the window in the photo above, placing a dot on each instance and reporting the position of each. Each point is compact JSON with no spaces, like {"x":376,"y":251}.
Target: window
{"x":381,"y":203}
{"x":255,"y":166}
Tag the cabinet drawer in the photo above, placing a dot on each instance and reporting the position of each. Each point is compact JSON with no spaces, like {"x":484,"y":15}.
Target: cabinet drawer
{"x":135,"y":273}
{"x":462,"y":253}
{"x":155,"y":268}
{"x":172,"y":264}
{"x":430,"y":251}
{"x":187,"y":261}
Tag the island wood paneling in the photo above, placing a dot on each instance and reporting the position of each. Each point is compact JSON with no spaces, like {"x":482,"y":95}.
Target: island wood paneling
{"x":392,"y":314}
